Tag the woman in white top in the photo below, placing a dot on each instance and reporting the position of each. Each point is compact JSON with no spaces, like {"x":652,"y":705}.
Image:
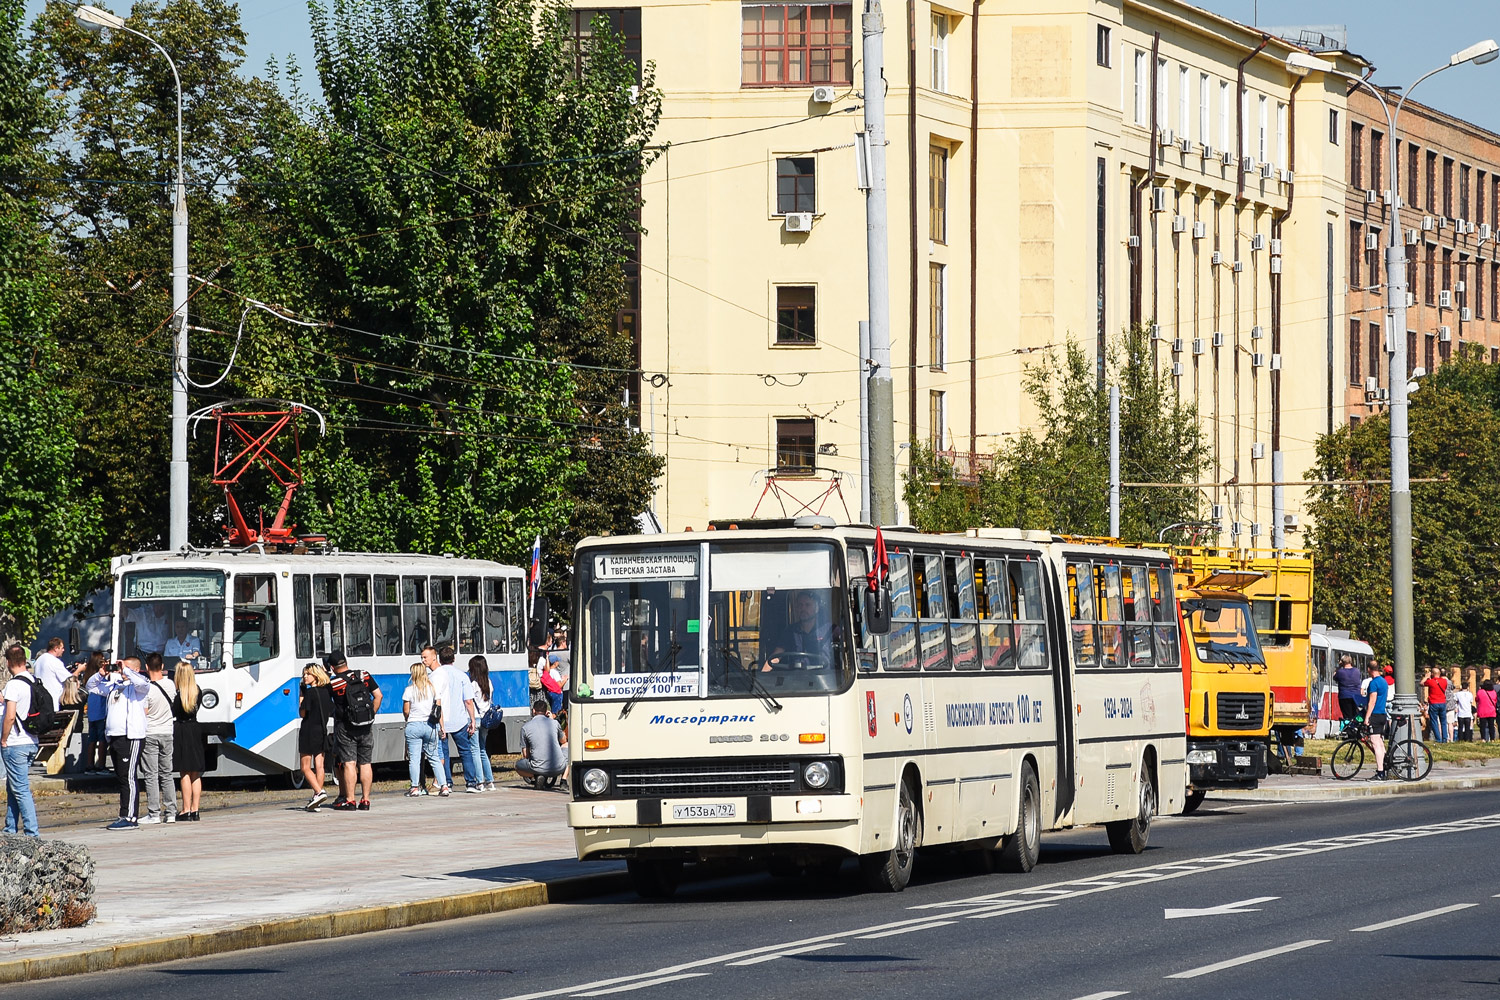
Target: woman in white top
{"x":481,"y":694}
{"x":422,"y":706}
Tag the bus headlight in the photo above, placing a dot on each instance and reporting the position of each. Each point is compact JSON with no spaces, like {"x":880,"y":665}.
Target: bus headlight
{"x":1202,"y":757}
{"x":595,"y":781}
{"x":816,"y":774}
{"x":209,"y":699}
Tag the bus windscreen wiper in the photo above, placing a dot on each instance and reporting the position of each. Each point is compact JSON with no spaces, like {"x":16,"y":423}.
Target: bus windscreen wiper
{"x":672,"y":651}
{"x":762,"y":692}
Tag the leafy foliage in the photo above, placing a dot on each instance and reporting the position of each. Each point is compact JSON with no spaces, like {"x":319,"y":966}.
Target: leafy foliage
{"x":1056,"y":477}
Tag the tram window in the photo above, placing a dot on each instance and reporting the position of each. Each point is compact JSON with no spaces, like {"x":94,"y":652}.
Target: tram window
{"x":255,"y":636}
{"x":415,"y":627}
{"x":965,"y":633}
{"x":995,"y":618}
{"x":387,"y":616}
{"x":302,"y":617}
{"x":1081,"y":599}
{"x":934,"y":626}
{"x":1107,"y":605}
{"x":1137,"y":593}
{"x":440,"y":594}
{"x":1031,"y":621}
{"x":359,"y":639}
{"x":1163,"y":611}
{"x":901,"y":642}
{"x":470,"y":638}
{"x":328,"y":617}
{"x":518,"y":614}
{"x":496,"y":640}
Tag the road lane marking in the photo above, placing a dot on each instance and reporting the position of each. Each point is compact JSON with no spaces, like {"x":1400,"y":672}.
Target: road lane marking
{"x":1230,"y":963}
{"x":789,"y":951}
{"x":906,"y":930}
{"x":1106,"y":995}
{"x":1413,"y":918}
{"x":1243,"y":906}
{"x":642,"y":985}
{"x":1004,"y":911}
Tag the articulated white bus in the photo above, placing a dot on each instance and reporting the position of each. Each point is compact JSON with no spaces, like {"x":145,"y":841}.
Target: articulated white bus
{"x":258,"y":617}
{"x":737,"y":694}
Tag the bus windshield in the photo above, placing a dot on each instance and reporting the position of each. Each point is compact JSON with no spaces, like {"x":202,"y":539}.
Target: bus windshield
{"x":774,"y":623}
{"x":1222,"y":630}
{"x":177,"y":613}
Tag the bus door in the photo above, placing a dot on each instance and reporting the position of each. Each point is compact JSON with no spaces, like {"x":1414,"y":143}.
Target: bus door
{"x":1062,"y":691}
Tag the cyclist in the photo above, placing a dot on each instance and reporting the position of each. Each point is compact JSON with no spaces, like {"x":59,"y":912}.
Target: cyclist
{"x":1347,"y":678}
{"x":1376,"y":719}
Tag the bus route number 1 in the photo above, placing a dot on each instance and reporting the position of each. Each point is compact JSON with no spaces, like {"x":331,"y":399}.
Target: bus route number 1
{"x":1118,"y":708}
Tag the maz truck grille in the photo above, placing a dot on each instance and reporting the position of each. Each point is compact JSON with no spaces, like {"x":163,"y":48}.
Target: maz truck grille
{"x":1239,"y":710}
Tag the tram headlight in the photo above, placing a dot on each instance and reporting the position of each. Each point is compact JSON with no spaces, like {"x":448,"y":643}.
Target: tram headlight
{"x":595,"y":781}
{"x":210,"y":699}
{"x":817,"y":774}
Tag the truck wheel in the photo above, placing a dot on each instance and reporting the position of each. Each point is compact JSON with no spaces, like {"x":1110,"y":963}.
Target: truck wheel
{"x":1019,"y":851}
{"x":890,"y":871}
{"x":1129,"y":836}
{"x":1192,"y":802}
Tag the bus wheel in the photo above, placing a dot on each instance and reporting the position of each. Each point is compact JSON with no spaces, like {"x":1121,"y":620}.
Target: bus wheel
{"x":654,"y":878}
{"x":890,"y":871}
{"x":1192,"y":802}
{"x":1019,"y":851}
{"x":1129,"y":836}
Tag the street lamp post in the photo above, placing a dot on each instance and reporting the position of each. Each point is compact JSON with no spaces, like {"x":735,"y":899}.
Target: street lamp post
{"x":97,"y":20}
{"x":1405,"y":702}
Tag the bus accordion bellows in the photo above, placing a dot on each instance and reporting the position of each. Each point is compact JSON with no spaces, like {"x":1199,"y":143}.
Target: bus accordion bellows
{"x":257,"y":617}
{"x":754,"y":694}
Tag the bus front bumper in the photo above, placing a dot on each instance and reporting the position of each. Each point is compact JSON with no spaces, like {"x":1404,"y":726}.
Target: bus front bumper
{"x":749,"y":825}
{"x":1225,"y":764}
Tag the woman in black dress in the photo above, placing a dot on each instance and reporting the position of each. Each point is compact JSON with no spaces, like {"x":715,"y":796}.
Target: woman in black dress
{"x":187,"y":741}
{"x":316,"y":708}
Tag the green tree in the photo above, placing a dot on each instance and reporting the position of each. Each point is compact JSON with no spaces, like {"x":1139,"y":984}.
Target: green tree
{"x":1055,"y":476}
{"x":48,"y":527}
{"x":1454,"y":423}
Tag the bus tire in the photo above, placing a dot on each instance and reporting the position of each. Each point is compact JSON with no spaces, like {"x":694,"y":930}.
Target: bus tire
{"x":890,"y":871}
{"x":654,"y":878}
{"x":1018,"y":853}
{"x":1192,"y":802}
{"x":1129,"y":836}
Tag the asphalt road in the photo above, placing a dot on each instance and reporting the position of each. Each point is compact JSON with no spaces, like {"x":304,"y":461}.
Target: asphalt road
{"x":1381,"y":897}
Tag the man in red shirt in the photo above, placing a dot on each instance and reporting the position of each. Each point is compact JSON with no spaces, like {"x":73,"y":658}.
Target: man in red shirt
{"x":1437,"y":703}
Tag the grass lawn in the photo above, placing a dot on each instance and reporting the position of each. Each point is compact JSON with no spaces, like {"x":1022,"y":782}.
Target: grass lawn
{"x":1477,"y":752}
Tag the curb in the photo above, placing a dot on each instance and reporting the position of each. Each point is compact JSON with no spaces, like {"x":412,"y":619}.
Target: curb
{"x":312,"y":927}
{"x":1355,"y":788}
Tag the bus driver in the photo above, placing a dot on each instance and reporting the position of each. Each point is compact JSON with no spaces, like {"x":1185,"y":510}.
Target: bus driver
{"x":810,"y":634}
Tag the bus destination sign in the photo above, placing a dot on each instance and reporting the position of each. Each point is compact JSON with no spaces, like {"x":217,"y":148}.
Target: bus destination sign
{"x":646,"y":566}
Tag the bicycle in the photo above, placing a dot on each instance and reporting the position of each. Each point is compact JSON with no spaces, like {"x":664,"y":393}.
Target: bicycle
{"x":1408,"y":759}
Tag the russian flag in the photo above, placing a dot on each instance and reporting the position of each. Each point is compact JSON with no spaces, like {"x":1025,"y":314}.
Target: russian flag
{"x":534,"y":578}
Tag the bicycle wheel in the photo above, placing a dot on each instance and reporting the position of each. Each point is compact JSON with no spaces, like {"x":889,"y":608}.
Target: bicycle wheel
{"x":1410,"y":761}
{"x":1348,"y":757}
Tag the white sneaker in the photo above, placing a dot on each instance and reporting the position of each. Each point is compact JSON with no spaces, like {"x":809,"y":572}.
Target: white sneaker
{"x":149,"y":820}
{"x":489,"y":786}
{"x":171,"y":817}
{"x":473,"y":789}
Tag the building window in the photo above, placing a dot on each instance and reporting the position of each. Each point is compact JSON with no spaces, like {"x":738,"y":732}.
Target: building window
{"x":796,"y":315}
{"x":1431,"y":182}
{"x":1245,"y":117}
{"x":1480,"y":180}
{"x":937,"y":194}
{"x":1184,"y":95}
{"x":940,"y":26}
{"x":1375,"y":352}
{"x":1445,"y":351}
{"x":1495,"y":291}
{"x":1356,"y":376}
{"x":1263,"y":144}
{"x":1333,"y":126}
{"x":1356,"y":155}
{"x":1356,"y":254}
{"x":1447,"y":284}
{"x":937,"y":416}
{"x":785,"y":45}
{"x":1428,"y":352}
{"x":1495,"y":355}
{"x":796,"y":446}
{"x":625,"y":22}
{"x":1142,"y":95}
{"x":1224,"y":122}
{"x":1463,"y":191}
{"x":1448,"y":186}
{"x":1411,"y":354}
{"x":1377,"y":154}
{"x":937,"y":333}
{"x":796,"y":184}
{"x":1413,"y":157}
{"x":1429,"y":283}
{"x":1479,"y":289}
{"x":1102,"y":46}
{"x":1163,"y":109}
{"x":1283,"y":150}
{"x":1205,"y":110}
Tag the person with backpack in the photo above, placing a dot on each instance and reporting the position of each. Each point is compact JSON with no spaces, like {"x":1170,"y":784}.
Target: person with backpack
{"x":18,"y":742}
{"x":125,"y":725}
{"x":356,"y":700}
{"x":156,"y":748}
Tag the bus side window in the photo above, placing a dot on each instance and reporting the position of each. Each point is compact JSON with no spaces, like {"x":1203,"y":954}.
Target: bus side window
{"x":963,"y":609}
{"x":1107,"y":606}
{"x":387,"y":616}
{"x":1164,"y":614}
{"x":1031,"y":621}
{"x":995,"y":630}
{"x":328,"y":616}
{"x":1081,"y":598}
{"x":470,"y":639}
{"x":416,"y":629}
{"x":1138,"y":615}
{"x":934,"y":627}
{"x":496,"y":637}
{"x":901,"y":642}
{"x":358,"y":637}
{"x":302,"y":618}
{"x":440,"y":596}
{"x":516,"y":591}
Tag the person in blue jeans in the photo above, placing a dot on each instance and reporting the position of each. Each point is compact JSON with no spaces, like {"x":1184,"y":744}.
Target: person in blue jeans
{"x":1436,"y":685}
{"x":483,"y":695}
{"x":460,"y":720}
{"x":17,"y":746}
{"x":420,"y":702}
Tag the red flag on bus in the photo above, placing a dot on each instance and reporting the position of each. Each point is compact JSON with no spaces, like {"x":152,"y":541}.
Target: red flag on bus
{"x":882,"y":563}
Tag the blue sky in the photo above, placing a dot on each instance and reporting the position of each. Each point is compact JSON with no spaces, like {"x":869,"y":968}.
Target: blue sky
{"x":1402,"y":39}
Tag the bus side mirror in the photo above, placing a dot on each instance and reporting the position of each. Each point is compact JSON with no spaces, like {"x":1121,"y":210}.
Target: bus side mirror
{"x":878,"y":611}
{"x":540,"y":613}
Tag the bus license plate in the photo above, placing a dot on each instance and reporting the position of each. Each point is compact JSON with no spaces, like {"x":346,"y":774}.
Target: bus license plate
{"x":1242,"y":761}
{"x":711,"y":810}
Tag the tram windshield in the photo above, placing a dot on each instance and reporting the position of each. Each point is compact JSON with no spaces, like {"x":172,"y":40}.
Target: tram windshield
{"x":177,"y":613}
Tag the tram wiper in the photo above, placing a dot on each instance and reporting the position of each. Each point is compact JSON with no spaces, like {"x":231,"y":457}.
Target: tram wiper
{"x":672,"y":651}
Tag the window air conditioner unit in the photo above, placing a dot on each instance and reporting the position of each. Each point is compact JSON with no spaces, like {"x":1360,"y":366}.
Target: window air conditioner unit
{"x":1445,"y":299}
{"x":1383,"y":395}
{"x":1216,"y":511}
{"x":799,"y":222}
{"x":1197,"y":345}
{"x":1155,"y":331}
{"x":1411,"y":237}
{"x":1442,"y":222}
{"x":1460,"y":286}
{"x":1133,"y":242}
{"x":1239,"y":266}
{"x":1217,"y":258}
{"x":1177,"y":346}
{"x":1286,"y":177}
{"x":1158,"y":199}
{"x":1257,"y":332}
{"x":1257,"y":360}
{"x":1200,"y":230}
{"x":824,"y":95}
{"x":1428,"y":222}
{"x":1466,"y":315}
{"x":1179,"y":224}
{"x":1254,"y":529}
{"x":1176,"y":369}
{"x":1276,"y":362}
{"x":1372,"y":241}
{"x":1258,"y":242}
{"x":1234,"y":529}
{"x":1206,"y":151}
{"x":1385,"y":196}
{"x":1289,"y":522}
{"x":1257,"y":451}
{"x":1370,"y":197}
{"x":1248,"y":164}
{"x":1372,"y":383}
{"x":1411,"y":299}
{"x":1168,"y":137}
{"x":1275,"y":265}
{"x":1186,"y":144}
{"x":1275,"y":248}
{"x":1463,"y":227}
{"x":1227,"y":158}
{"x":1445,"y":334}
{"x":1218,"y":339}
{"x":1267,"y":171}
{"x":1484,"y":231}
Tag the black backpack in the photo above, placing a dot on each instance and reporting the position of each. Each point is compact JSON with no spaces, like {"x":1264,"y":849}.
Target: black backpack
{"x":42,"y":718}
{"x":359,"y":704}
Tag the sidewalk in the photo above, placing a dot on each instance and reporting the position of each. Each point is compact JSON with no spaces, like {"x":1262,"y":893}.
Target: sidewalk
{"x":245,"y":878}
{"x":1326,"y":788}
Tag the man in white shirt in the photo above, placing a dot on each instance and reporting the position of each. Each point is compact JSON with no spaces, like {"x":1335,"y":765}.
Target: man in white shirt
{"x":126,"y":688}
{"x":463,"y":722}
{"x":457,"y":708}
{"x":156,"y":748}
{"x":183,"y":645}
{"x":17,"y":746}
{"x":51,"y":670}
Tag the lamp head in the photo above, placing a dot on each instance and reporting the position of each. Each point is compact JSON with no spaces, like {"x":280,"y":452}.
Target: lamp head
{"x":96,"y":20}
{"x":1301,"y":64}
{"x":1478,"y":53}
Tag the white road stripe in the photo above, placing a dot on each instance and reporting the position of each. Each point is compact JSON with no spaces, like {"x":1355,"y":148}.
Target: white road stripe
{"x":1106,"y":995}
{"x":642,"y":984}
{"x":1230,"y":963}
{"x":790,"y":951}
{"x":906,"y":930}
{"x":1414,"y":917}
{"x":1004,"y":911}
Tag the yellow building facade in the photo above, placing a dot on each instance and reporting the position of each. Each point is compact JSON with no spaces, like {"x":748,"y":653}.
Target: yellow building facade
{"x":1059,"y":170}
